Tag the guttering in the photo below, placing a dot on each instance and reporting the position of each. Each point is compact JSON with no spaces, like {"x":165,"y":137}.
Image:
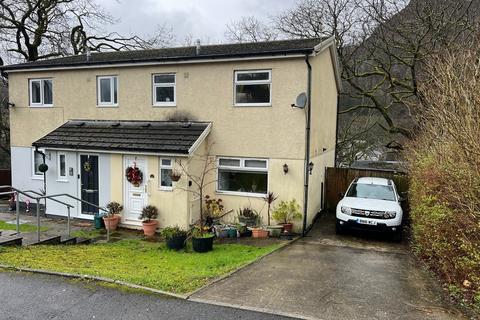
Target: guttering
{"x":163,"y":154}
{"x":133,"y":63}
{"x":307,"y":145}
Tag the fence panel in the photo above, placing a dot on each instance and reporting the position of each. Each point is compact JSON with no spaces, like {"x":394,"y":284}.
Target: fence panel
{"x":338,"y":180}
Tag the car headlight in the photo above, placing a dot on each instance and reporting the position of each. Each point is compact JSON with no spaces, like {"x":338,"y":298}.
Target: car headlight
{"x":390,"y":214}
{"x":346,"y":210}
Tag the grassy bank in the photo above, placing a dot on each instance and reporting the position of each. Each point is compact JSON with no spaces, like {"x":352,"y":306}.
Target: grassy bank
{"x":23,"y":227}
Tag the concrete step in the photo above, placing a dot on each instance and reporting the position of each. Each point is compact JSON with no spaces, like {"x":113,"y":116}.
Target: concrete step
{"x":84,"y":241}
{"x":68,"y":241}
{"x":10,"y":241}
{"x":50,"y":240}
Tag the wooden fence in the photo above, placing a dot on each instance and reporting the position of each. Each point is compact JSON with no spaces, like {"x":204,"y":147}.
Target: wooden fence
{"x":337,"y":180}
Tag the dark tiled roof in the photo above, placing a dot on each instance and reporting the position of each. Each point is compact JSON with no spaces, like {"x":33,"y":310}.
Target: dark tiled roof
{"x":282,"y":47}
{"x":130,"y":136}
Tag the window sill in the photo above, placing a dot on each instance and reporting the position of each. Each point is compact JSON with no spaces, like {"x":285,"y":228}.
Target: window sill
{"x":107,"y":106}
{"x":168,"y":189}
{"x":37,"y":178}
{"x":168,"y":105}
{"x":241,"y":194}
{"x":41,"y":106}
{"x":243,"y":105}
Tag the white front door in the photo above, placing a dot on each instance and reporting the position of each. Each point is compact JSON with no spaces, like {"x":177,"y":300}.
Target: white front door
{"x":136,"y":197}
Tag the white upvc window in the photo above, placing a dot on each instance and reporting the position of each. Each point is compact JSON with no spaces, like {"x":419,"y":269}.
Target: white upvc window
{"x":166,"y":167}
{"x":62,"y":166}
{"x":37,"y":160}
{"x":242,"y":176}
{"x":40,"y":92}
{"x":107,"y":91}
{"x":252,"y":88}
{"x":164,"y":90}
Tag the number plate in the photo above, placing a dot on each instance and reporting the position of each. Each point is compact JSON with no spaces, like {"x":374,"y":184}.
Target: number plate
{"x":368,"y":222}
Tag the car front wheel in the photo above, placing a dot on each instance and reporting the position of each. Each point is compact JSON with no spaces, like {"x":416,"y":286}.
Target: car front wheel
{"x":339,"y":229}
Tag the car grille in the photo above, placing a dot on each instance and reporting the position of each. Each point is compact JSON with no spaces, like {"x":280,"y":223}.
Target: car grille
{"x":368,"y":214}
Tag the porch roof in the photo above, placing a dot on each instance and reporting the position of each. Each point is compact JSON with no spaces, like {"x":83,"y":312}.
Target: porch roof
{"x":163,"y":137}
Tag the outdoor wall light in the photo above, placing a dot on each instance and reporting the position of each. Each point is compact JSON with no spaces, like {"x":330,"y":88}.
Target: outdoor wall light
{"x":310,"y":167}
{"x":285,"y":168}
{"x":11,"y":104}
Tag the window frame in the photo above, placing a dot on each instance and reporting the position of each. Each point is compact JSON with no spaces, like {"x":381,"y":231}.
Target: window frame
{"x":160,"y":168}
{"x":242,"y":167}
{"x":59,"y":176}
{"x":252,"y":82}
{"x":34,"y":175}
{"x":156,"y":103}
{"x":40,"y":104}
{"x":112,"y":103}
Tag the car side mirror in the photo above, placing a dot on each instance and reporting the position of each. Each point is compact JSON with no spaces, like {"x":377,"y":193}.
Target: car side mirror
{"x":341,"y":194}
{"x":403,"y":196}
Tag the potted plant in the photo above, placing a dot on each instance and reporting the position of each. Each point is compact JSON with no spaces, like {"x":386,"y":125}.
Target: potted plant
{"x":259,"y":233}
{"x":273,"y":231}
{"x":202,"y":239}
{"x":248,"y":216}
{"x":175,"y":237}
{"x":213,"y":210}
{"x":148,"y":216}
{"x":243,"y":230}
{"x":286,"y":213}
{"x":112,"y":218}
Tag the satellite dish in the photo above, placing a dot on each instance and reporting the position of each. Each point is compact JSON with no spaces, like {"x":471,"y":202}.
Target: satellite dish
{"x":301,"y":101}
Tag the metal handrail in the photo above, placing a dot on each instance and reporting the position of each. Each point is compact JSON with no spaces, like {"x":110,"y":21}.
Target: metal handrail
{"x":41,"y":196}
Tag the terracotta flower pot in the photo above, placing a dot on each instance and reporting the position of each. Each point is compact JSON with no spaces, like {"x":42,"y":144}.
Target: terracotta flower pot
{"x":111,"y":223}
{"x":287,"y":227}
{"x":150,"y":227}
{"x":259,"y":233}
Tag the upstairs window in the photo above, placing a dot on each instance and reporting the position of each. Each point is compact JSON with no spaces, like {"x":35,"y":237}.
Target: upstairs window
{"x":41,"y":92}
{"x":164,"y":90}
{"x":242,"y":176}
{"x":253,"y":88}
{"x":107,"y":90}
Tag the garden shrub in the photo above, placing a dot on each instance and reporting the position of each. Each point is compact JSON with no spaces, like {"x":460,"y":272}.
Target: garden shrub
{"x":444,"y":165}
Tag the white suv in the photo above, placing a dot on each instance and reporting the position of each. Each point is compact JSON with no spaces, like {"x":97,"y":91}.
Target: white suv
{"x":370,"y":204}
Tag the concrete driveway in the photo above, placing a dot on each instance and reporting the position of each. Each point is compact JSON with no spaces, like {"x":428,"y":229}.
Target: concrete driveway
{"x":325,"y":276}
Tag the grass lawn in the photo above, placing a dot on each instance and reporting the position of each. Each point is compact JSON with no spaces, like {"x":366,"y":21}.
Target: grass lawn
{"x":139,"y":262}
{"x":23,"y":227}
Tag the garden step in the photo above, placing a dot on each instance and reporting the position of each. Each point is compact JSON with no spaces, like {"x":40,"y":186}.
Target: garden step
{"x":10,"y":241}
{"x":84,"y":241}
{"x":51,"y":240}
{"x":72,"y":240}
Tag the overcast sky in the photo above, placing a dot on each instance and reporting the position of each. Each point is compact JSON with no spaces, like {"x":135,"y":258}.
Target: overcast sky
{"x":204,"y":19}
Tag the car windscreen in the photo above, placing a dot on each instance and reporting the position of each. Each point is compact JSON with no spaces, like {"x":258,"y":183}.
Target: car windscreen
{"x":371,"y":191}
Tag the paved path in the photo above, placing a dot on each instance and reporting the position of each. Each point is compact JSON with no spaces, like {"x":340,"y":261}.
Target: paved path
{"x":40,"y":297}
{"x":329,"y":277}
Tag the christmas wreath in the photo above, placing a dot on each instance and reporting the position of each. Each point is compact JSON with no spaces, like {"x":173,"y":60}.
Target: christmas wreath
{"x":134,"y":175}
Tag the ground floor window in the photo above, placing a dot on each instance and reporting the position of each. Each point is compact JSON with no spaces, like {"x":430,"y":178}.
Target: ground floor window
{"x":241,"y":175}
{"x":166,"y":166}
{"x":37,"y":160}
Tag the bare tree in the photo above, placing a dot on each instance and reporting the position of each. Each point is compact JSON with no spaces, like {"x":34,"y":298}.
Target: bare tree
{"x":201,"y":179}
{"x":41,"y":29}
{"x":250,"y":29}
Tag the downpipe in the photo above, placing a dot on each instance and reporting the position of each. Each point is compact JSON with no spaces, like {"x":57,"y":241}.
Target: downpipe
{"x":307,"y":145}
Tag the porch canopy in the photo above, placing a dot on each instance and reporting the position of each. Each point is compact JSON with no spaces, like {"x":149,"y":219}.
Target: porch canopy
{"x":156,"y":137}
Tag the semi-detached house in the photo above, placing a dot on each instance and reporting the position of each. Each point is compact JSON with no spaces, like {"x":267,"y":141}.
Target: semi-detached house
{"x":93,"y":116}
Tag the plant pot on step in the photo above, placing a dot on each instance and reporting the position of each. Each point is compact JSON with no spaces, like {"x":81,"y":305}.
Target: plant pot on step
{"x":176,"y":243}
{"x":259,"y":233}
{"x":111,"y":223}
{"x":202,"y":245}
{"x":274,"y":231}
{"x":149,"y":227}
{"x":287,"y":227}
